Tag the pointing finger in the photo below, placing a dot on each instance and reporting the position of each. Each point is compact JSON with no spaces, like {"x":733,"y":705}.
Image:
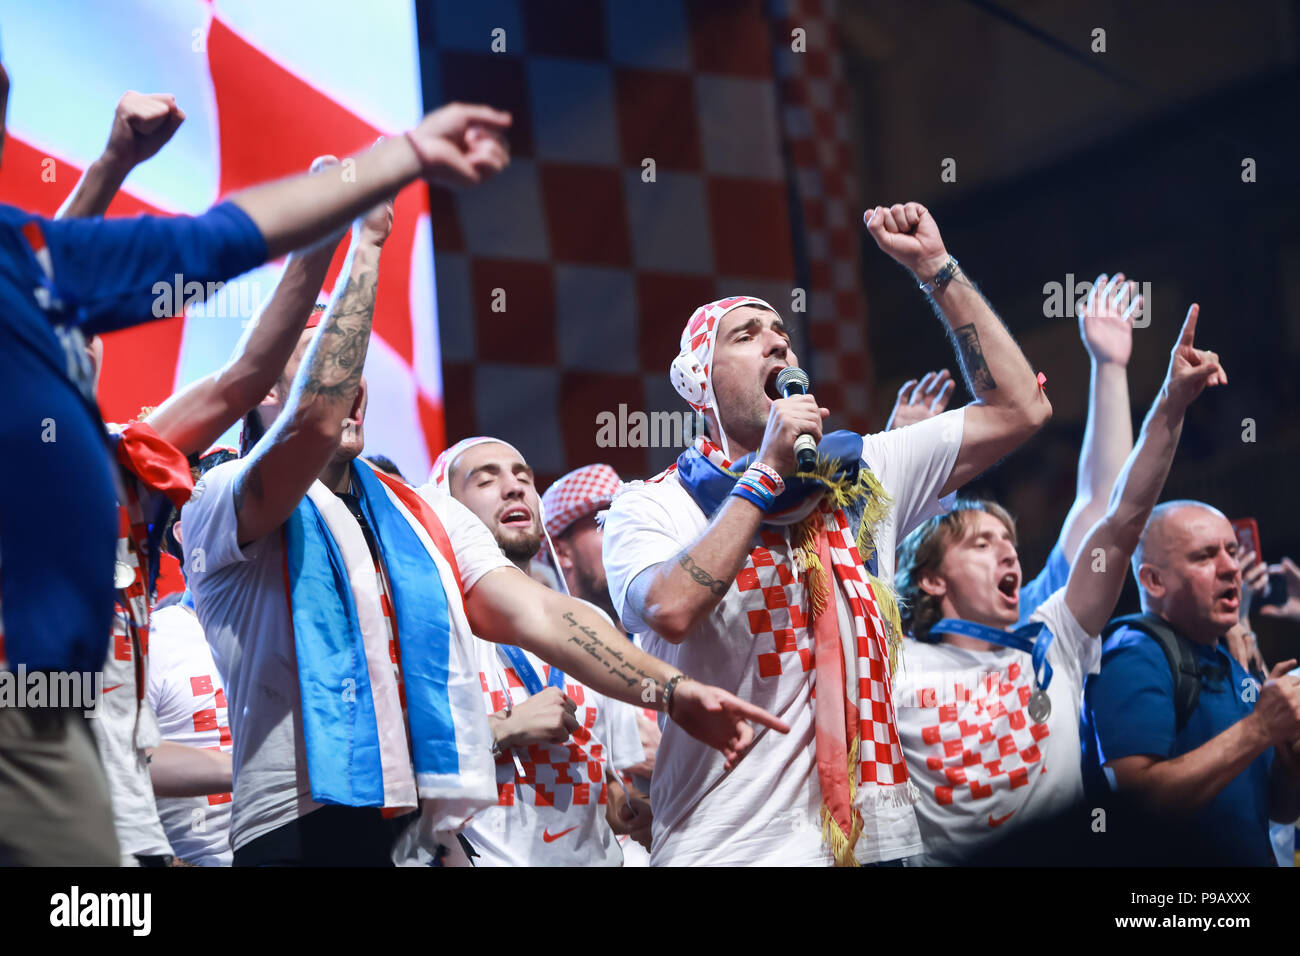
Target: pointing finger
{"x":1188,"y":334}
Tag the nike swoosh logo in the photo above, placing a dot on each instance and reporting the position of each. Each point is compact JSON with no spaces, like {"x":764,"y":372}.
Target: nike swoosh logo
{"x":552,"y":837}
{"x":1000,"y":820}
{"x":114,"y":687}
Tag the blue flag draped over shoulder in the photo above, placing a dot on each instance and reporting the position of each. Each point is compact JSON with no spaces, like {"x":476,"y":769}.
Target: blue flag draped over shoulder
{"x":358,"y":749}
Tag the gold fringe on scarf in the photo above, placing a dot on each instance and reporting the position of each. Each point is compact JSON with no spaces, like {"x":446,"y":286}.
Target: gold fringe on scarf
{"x":841,"y":844}
{"x":842,"y":494}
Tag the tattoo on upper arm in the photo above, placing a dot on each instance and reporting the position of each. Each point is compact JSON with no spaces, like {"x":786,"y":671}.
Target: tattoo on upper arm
{"x":611,"y":658}
{"x":702,"y":577}
{"x":978,"y":376}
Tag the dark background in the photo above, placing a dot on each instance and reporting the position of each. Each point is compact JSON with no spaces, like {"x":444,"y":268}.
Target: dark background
{"x":1072,"y":161}
{"x":1062,"y":168}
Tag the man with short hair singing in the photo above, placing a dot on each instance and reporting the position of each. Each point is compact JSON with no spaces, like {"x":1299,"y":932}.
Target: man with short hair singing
{"x":750,"y":576}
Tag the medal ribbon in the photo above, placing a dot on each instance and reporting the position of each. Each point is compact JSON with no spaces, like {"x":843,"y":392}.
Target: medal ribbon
{"x":1027,"y":638}
{"x":519,"y":661}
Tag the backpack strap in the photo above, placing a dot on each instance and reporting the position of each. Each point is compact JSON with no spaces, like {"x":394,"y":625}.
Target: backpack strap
{"x":1183,"y":661}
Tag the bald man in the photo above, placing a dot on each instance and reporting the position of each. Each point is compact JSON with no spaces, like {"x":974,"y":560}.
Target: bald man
{"x":1215,"y":775}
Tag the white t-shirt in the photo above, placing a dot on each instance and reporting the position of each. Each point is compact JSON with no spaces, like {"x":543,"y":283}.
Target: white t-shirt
{"x":974,"y":752}
{"x":765,"y":811}
{"x":553,"y":814}
{"x":125,"y":726}
{"x":186,"y":693}
{"x":119,"y":723}
{"x":239,"y":594}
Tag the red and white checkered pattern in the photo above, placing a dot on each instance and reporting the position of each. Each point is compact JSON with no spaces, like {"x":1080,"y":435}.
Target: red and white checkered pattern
{"x":582,"y":491}
{"x":550,"y":770}
{"x":815,"y":111}
{"x":880,"y":753}
{"x":690,"y":371}
{"x":979,"y":756}
{"x":598,"y":268}
{"x":782,"y":638}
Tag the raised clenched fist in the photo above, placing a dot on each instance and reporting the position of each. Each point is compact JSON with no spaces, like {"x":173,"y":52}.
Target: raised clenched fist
{"x":142,"y":125}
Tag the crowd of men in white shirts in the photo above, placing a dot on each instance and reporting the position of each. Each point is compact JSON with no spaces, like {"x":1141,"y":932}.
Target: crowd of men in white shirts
{"x":792,"y":647}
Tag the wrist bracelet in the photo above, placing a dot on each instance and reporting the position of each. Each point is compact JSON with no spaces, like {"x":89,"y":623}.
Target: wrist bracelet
{"x":941,"y":278}
{"x":778,"y":483}
{"x":669,"y":689}
{"x":753,"y":491}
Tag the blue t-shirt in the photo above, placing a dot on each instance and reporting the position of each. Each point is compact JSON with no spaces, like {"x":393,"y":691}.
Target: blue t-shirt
{"x":58,"y":518}
{"x":1129,"y":709}
{"x":1051,"y":579}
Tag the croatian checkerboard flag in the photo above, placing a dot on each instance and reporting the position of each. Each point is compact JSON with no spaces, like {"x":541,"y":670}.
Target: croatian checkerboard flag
{"x":266,"y":87}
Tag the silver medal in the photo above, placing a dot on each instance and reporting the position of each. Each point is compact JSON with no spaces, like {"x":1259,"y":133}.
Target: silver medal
{"x":123,"y":575}
{"x":1040,"y":706}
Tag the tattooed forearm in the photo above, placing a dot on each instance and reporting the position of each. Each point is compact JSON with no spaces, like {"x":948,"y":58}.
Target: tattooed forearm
{"x":339,"y":355}
{"x":978,"y":376}
{"x":702,"y":577}
{"x":611,"y":658}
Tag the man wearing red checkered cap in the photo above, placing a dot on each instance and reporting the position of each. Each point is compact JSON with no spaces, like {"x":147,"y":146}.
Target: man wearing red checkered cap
{"x":572,"y":506}
{"x":770,"y":582}
{"x":574,"y":509}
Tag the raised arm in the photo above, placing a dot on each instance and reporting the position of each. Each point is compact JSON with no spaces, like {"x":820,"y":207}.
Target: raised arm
{"x":455,"y":145}
{"x":674,"y":596}
{"x":303,"y":439}
{"x":142,"y":125}
{"x":1101,"y":567}
{"x":509,"y":607}
{"x":1009,"y":406}
{"x":196,"y":416}
{"x":1106,"y":327}
{"x":103,"y":274}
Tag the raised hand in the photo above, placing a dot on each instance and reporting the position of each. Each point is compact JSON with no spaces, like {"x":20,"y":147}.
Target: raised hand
{"x":720,"y":719}
{"x":1191,"y":369}
{"x":909,"y":235}
{"x":142,"y":125}
{"x":1254,"y":580}
{"x":1243,"y":648}
{"x":918,"y":401}
{"x":376,"y":224}
{"x":460,"y":144}
{"x":1106,"y":320}
{"x":1290,"y":609}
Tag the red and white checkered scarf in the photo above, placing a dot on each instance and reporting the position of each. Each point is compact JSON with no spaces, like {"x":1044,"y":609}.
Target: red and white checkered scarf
{"x":860,"y":762}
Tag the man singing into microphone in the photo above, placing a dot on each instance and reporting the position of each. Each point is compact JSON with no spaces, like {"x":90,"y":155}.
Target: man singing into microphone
{"x":748,"y":577}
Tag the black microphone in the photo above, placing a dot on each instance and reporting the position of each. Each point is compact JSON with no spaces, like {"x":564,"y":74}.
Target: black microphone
{"x":794,"y":381}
